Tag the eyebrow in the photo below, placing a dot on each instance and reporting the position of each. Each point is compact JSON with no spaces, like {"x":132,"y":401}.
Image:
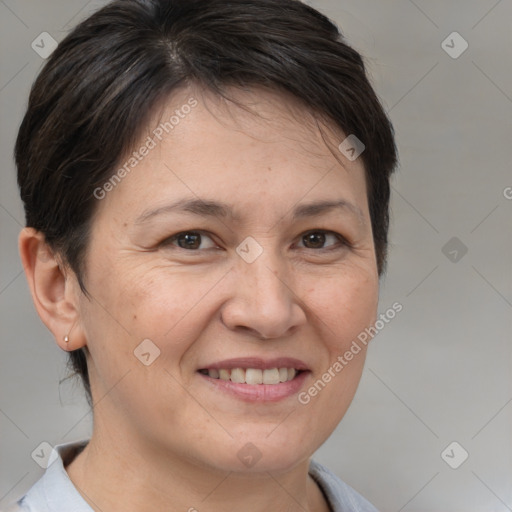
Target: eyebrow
{"x":209,"y":208}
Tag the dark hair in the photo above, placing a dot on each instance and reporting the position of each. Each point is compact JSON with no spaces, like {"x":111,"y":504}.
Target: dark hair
{"x":98,"y":89}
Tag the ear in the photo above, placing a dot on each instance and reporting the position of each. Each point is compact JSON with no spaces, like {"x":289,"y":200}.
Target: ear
{"x":55,"y":292}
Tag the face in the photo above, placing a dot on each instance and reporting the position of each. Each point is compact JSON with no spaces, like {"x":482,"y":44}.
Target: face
{"x":209,"y":261}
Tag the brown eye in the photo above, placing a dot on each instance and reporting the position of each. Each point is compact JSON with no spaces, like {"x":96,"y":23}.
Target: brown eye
{"x":314,"y":240}
{"x":317,"y":239}
{"x":189,"y":240}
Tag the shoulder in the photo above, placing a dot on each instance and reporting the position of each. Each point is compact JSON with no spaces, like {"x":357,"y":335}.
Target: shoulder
{"x":341,"y":496}
{"x":33,"y":501}
{"x":54,"y":491}
{"x":14,"y":507}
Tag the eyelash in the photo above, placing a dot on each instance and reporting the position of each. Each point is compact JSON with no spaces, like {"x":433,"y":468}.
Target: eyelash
{"x":341,"y":239}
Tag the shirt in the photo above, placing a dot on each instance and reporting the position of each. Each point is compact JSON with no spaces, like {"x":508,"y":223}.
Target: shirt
{"x":55,"y":492}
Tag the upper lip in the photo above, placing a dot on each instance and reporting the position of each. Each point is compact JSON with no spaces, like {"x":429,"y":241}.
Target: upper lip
{"x":257,"y":362}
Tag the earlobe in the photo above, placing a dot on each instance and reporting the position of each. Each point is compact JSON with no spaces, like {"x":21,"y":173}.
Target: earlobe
{"x":53,"y":290}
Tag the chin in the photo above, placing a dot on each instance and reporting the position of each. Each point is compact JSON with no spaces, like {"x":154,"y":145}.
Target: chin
{"x":253,"y":454}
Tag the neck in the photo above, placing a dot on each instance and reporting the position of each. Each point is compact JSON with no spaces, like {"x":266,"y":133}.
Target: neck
{"x":117,"y":474}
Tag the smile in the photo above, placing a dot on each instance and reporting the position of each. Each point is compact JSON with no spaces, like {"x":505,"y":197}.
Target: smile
{"x":252,"y":376}
{"x":254,"y":384}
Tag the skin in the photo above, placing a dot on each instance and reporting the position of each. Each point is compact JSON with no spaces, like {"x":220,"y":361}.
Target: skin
{"x":163,"y":439}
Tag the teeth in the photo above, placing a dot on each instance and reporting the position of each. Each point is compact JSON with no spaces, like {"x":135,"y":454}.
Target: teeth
{"x":237,"y":375}
{"x":254,"y":376}
{"x":271,"y":376}
{"x":224,"y":374}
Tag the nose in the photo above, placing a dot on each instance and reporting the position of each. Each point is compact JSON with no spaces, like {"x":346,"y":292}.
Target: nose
{"x":263,"y":300}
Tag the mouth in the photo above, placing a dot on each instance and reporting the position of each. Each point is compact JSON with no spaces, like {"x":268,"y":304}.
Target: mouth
{"x":253,"y":376}
{"x":256,"y":380}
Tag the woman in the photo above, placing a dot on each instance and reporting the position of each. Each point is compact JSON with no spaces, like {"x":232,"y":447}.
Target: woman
{"x":206,"y":187}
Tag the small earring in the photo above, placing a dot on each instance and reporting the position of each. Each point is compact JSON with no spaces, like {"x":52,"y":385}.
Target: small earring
{"x":66,"y":338}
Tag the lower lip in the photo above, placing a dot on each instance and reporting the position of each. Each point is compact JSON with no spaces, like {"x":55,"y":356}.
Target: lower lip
{"x":259,"y":392}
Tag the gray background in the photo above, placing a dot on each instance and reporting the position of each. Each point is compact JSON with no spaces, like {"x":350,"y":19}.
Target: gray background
{"x":441,"y":370}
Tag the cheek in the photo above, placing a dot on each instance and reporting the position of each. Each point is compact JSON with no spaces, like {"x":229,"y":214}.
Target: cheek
{"x":167,"y":304}
{"x":161,"y":303}
{"x":345,"y":305}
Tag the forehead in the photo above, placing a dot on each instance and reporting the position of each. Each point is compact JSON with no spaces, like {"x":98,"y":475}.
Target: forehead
{"x":198,"y":144}
{"x":266,"y":115}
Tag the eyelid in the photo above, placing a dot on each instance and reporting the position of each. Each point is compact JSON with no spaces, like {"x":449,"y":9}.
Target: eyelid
{"x":168,"y":240}
{"x":343,"y":240}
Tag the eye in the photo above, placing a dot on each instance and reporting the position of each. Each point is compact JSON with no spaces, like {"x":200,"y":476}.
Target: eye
{"x":197,"y":240}
{"x":190,"y":240}
{"x":317,"y":239}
